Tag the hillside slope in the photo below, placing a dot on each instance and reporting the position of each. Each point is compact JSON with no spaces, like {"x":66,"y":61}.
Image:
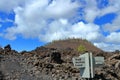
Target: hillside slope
{"x":73,"y":44}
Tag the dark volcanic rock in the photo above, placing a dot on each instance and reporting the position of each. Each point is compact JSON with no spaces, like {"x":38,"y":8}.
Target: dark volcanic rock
{"x":56,"y":57}
{"x":1,"y":76}
{"x":1,"y":50}
{"x":7,"y":48}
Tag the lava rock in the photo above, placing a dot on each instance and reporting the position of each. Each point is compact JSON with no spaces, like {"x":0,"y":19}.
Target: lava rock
{"x":7,"y":48}
{"x":56,"y":57}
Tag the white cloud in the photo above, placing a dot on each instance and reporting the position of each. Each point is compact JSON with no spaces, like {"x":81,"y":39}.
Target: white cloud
{"x":64,"y":21}
{"x":113,"y":37}
{"x":108,"y":46}
{"x":87,"y":31}
{"x":62,"y":8}
{"x":6,"y":5}
{"x":11,"y":33}
{"x":110,"y":42}
{"x":109,"y":9}
{"x":113,"y":8}
{"x":57,"y":29}
{"x":32,"y":19}
{"x":91,"y":10}
{"x":91,"y":14}
{"x":114,"y":26}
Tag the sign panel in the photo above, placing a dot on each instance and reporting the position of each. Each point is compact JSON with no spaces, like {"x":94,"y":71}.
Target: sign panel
{"x":86,"y":62}
{"x":99,"y":61}
{"x":79,"y":62}
{"x":85,"y":72}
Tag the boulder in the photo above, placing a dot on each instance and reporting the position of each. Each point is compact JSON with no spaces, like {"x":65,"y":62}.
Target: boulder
{"x":1,"y":50}
{"x":1,"y":76}
{"x":7,"y":48}
{"x":56,"y":57}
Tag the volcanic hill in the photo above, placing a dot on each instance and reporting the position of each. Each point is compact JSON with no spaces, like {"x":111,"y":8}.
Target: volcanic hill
{"x":73,"y":44}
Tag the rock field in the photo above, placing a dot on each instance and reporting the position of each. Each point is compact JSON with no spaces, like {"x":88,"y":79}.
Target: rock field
{"x":52,"y":64}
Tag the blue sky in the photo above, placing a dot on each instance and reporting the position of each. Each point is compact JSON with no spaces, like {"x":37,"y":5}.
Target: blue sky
{"x":26,"y":24}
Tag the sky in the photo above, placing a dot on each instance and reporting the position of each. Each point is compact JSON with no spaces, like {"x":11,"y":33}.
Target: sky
{"x":27,"y":24}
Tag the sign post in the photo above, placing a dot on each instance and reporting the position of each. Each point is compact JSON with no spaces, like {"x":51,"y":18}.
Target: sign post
{"x":86,"y":63}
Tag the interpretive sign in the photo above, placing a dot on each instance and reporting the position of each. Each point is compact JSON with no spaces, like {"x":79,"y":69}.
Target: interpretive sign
{"x":79,"y":62}
{"x":86,"y":63}
{"x":85,"y":72}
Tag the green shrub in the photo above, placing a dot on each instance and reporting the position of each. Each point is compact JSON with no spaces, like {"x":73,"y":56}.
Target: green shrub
{"x":81,"y":48}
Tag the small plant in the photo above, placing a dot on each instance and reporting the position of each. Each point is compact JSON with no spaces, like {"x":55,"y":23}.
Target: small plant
{"x":81,"y":48}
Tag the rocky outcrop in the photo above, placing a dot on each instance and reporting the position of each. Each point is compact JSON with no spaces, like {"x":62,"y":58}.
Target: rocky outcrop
{"x":51,"y":64}
{"x":7,"y":48}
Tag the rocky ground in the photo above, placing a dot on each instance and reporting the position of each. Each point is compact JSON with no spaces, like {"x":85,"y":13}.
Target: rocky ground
{"x":52,"y":64}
